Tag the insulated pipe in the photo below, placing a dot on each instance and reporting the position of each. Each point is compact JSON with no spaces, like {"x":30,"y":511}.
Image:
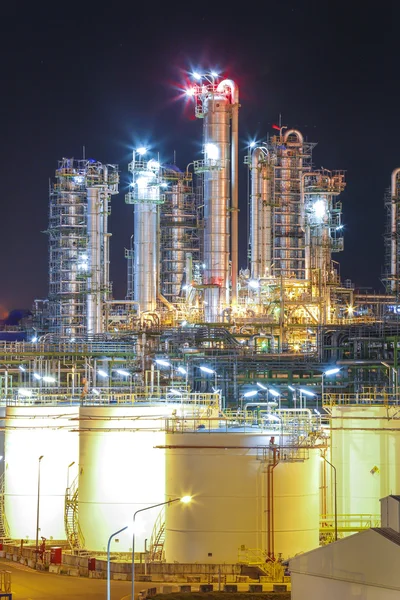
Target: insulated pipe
{"x":394,"y":217}
{"x":234,"y":180}
{"x":293,"y":132}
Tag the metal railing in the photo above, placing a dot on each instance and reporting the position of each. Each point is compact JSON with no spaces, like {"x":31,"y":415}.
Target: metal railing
{"x":349,"y":523}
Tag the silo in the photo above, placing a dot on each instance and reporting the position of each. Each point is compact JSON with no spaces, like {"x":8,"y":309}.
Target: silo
{"x":365,"y":450}
{"x":229,"y":475}
{"x":32,"y":432}
{"x":120,"y":471}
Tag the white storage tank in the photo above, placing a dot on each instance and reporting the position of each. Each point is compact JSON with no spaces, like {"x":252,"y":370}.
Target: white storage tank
{"x":32,"y":432}
{"x":365,"y":451}
{"x":226,"y":473}
{"x":120,"y":472}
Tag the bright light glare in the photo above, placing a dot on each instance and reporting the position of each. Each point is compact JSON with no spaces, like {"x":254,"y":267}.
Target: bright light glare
{"x":191,"y":91}
{"x":186,"y":499}
{"x":96,"y":392}
{"x":332,"y":371}
{"x":317,"y":412}
{"x":260,"y":385}
{"x":291,"y":388}
{"x":252,"y":144}
{"x":319,"y":209}
{"x":49,"y":379}
{"x":274,"y":393}
{"x":182,"y":370}
{"x":214,"y":74}
{"x":34,"y":340}
{"x":102,"y":373}
{"x":253,"y":283}
{"x":37,"y":376}
{"x":122,"y":372}
{"x":250,"y":394}
{"x":162,"y":363}
{"x":141,"y":151}
{"x":197,"y":75}
{"x":307,"y":392}
{"x":153,"y":164}
{"x":207,"y":370}
{"x":211,"y":151}
{"x":21,"y":368}
{"x":25,"y":392}
{"x":184,"y":322}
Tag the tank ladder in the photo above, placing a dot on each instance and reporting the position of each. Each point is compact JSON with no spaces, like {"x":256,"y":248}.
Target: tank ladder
{"x":71,"y":522}
{"x":4,"y":528}
{"x":157,"y":540}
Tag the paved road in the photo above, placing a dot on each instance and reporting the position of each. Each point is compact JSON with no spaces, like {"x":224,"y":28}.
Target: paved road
{"x":28,"y":584}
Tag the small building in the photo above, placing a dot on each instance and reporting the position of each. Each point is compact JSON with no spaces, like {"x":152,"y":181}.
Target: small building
{"x":363,"y":566}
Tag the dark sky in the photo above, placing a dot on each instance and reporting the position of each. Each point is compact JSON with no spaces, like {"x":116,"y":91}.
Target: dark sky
{"x":75,"y":75}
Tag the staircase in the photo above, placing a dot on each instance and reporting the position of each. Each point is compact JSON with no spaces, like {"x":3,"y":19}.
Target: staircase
{"x":4,"y":528}
{"x":157,"y":540}
{"x":72,"y":529}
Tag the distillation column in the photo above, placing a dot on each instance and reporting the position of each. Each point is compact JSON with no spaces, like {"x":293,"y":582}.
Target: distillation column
{"x":78,"y":246}
{"x":394,"y":255}
{"x":260,"y":214}
{"x":217,"y":104}
{"x":145,"y":197}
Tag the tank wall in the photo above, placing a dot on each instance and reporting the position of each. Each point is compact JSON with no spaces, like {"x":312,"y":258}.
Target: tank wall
{"x":229,"y":489}
{"x":30,"y":433}
{"x":121,"y":471}
{"x":296,"y":505}
{"x":365,"y":451}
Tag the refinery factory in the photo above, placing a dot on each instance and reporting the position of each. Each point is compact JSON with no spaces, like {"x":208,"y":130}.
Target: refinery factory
{"x":267,"y":392}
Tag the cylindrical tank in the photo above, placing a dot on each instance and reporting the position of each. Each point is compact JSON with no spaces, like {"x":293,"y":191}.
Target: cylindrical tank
{"x":227,"y":475}
{"x":260,"y":223}
{"x":32,"y":432}
{"x":145,"y":247}
{"x":365,"y":451}
{"x":120,"y":471}
{"x":93,"y":306}
{"x":216,"y":203}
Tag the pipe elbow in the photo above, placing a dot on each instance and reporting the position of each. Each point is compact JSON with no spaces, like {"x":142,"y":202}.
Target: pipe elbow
{"x":229,"y":83}
{"x":295,"y":132}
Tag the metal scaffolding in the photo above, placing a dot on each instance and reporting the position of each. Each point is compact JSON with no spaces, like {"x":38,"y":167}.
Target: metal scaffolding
{"x":78,"y":246}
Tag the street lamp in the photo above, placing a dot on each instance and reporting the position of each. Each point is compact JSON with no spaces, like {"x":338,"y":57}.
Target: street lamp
{"x":108,"y":560}
{"x":293,"y":390}
{"x":324,"y":374}
{"x":322,"y":457}
{"x":209,"y":372}
{"x":306,"y":393}
{"x":37,"y":512}
{"x":184,"y":500}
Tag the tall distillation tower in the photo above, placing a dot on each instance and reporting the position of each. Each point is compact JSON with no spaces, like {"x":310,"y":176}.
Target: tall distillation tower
{"x":218,"y":105}
{"x":295,"y":226}
{"x":392,"y":235}
{"x":146,"y":197}
{"x":79,"y":283}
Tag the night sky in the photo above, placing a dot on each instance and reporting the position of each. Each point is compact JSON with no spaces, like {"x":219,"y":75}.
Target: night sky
{"x":73,"y":75}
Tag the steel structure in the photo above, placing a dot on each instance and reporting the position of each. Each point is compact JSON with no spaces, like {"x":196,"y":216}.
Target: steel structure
{"x":217,"y":103}
{"x":392,"y":235}
{"x":79,"y":246}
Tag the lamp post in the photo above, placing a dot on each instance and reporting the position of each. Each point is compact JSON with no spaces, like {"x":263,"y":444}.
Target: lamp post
{"x":293,"y":390}
{"x":305,"y":392}
{"x":334,"y":492}
{"x":210,"y":372}
{"x":108,"y":560}
{"x":324,"y":374}
{"x":38,"y":511}
{"x":184,"y":500}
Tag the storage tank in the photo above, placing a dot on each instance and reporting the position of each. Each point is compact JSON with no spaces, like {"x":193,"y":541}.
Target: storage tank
{"x":120,"y":472}
{"x":227,"y":475}
{"x":365,"y":451}
{"x":32,"y":432}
